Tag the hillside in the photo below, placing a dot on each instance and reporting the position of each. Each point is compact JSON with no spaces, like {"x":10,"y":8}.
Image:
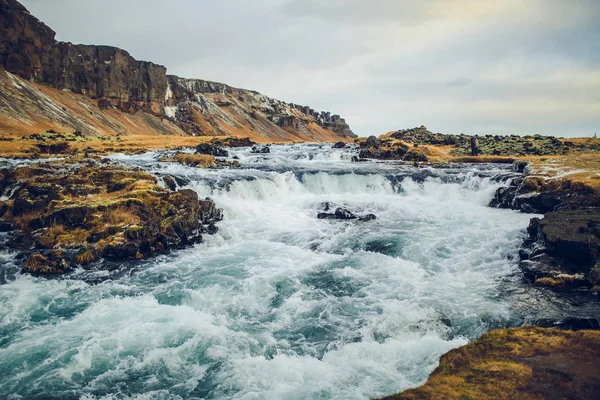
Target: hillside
{"x":103,"y":91}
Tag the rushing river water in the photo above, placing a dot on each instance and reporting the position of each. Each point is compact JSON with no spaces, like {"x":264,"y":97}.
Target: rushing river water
{"x":279,"y":304}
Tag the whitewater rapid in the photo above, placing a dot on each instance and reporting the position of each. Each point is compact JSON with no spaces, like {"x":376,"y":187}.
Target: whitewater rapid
{"x":279,"y":304}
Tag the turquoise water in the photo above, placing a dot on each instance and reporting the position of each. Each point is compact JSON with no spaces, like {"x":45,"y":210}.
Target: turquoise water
{"x":278,"y":304}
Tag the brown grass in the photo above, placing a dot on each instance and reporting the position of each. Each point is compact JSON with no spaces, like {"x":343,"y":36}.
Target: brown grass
{"x":85,"y":258}
{"x":120,"y":217}
{"x":22,"y":221}
{"x":195,"y":160}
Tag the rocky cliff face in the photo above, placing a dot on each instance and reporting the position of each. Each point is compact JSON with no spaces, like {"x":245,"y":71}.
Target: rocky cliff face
{"x":210,"y":108}
{"x":28,"y":48}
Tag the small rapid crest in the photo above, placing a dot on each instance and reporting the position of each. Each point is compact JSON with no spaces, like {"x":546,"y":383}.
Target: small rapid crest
{"x":279,"y":304}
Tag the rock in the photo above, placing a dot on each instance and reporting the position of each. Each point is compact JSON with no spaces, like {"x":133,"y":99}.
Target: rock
{"x":571,"y":235}
{"x":414,"y":155}
{"x":536,"y":195}
{"x":226,"y":163}
{"x":6,"y":226}
{"x":209,"y":149}
{"x":234,"y":142}
{"x":371,"y":142}
{"x":563,"y":249}
{"x":344,"y":214}
{"x":209,"y":213}
{"x":518,"y":363}
{"x":29,"y":49}
{"x":55,"y":148}
{"x":3,"y":208}
{"x":367,"y":217}
{"x":520,"y":165}
{"x":105,"y":211}
{"x":262,"y":150}
{"x":50,"y":263}
{"x":571,"y":323}
{"x":338,"y":145}
{"x":170,"y":182}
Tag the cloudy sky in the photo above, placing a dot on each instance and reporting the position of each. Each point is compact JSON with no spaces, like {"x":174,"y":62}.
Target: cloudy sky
{"x":472,"y":66}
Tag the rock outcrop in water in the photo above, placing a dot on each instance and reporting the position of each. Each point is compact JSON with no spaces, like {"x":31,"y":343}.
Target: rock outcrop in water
{"x":343,"y":213}
{"x":66,"y":214}
{"x":522,"y":363}
{"x":563,"y":248}
{"x":116,"y":81}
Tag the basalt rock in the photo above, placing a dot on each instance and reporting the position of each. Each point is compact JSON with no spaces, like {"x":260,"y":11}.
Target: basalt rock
{"x":563,"y":249}
{"x":533,"y":194}
{"x":338,"y":145}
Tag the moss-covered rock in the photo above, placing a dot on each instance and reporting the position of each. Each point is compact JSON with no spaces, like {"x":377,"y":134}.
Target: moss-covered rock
{"x":520,"y":363}
{"x":92,"y":210}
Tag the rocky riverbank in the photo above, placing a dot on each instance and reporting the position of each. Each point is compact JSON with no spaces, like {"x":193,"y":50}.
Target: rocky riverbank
{"x":562,"y":250}
{"x":520,"y":363}
{"x":69,"y":213}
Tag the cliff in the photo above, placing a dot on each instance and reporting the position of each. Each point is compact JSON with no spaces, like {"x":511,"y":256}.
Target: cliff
{"x":115,"y":80}
{"x":210,"y":108}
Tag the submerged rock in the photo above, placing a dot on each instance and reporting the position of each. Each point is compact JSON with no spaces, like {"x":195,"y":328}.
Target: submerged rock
{"x":338,"y":145}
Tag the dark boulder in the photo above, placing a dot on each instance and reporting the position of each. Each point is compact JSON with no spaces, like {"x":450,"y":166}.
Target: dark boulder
{"x":367,"y":217}
{"x":209,"y":149}
{"x":370,"y":142}
{"x":170,"y":182}
{"x":563,"y":249}
{"x":6,"y":226}
{"x":262,"y":150}
{"x":342,"y":213}
{"x":339,"y":145}
{"x":414,"y":156}
{"x":52,"y":262}
{"x":235,"y":142}
{"x":570,"y":323}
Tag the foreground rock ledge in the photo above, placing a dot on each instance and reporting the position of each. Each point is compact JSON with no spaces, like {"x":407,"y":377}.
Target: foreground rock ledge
{"x":519,"y":363}
{"x":68,"y":213}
